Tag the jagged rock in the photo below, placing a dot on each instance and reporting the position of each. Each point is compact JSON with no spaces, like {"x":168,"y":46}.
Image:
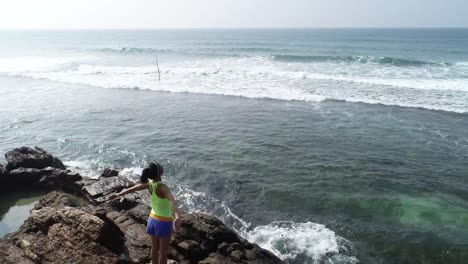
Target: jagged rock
{"x":60,"y":179}
{"x":36,"y":158}
{"x":10,"y":254}
{"x":137,"y":241}
{"x":192,"y":250}
{"x":106,"y":186}
{"x":58,"y":175}
{"x":57,"y":200}
{"x":215,"y":259}
{"x":109,"y":173}
{"x":70,"y":235}
{"x":208,"y":231}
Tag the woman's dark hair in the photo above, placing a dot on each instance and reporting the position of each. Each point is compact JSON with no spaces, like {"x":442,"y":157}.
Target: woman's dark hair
{"x":153,"y":171}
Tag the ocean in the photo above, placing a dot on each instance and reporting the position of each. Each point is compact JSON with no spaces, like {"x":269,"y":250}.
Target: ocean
{"x":321,"y":145}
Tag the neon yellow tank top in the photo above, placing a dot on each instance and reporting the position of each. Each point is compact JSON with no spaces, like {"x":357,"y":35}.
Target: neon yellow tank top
{"x":159,"y":206}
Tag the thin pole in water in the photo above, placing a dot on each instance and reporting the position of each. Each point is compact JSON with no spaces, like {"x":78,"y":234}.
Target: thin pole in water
{"x":157,"y":66}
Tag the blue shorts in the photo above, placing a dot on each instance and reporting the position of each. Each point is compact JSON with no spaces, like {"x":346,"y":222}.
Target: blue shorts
{"x":159,"y":228}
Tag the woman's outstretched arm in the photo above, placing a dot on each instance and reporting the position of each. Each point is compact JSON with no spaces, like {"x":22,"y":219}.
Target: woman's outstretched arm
{"x":135,"y":188}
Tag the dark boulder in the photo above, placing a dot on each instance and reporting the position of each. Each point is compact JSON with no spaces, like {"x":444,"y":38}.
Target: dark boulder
{"x":36,"y":158}
{"x":49,"y":178}
{"x":208,"y":231}
{"x":3,"y":178}
{"x":28,"y":176}
{"x":109,"y":173}
{"x":67,"y":180}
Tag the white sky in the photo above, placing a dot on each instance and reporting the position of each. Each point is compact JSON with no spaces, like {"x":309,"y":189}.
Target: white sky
{"x":114,"y":14}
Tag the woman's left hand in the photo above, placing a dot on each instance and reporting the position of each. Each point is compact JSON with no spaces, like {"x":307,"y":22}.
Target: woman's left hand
{"x":177,"y":223}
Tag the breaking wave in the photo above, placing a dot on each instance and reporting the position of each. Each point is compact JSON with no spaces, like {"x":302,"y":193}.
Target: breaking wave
{"x":433,"y":88}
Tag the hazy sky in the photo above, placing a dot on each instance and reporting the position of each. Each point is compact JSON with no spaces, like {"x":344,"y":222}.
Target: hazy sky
{"x":86,"y":14}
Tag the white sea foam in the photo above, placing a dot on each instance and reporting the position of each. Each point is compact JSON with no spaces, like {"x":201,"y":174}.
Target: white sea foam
{"x":310,"y":241}
{"x":83,"y":167}
{"x":421,"y":84}
{"x":132,"y":173}
{"x":462,"y":63}
{"x":90,"y":168}
{"x":85,"y":69}
{"x":436,"y":88}
{"x":314,"y":243}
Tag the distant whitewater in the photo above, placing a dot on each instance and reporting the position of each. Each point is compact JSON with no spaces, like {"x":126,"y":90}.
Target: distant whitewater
{"x":373,"y":73}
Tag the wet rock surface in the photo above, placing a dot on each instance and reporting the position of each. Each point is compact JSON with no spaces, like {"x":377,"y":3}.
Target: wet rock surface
{"x":74,"y":222}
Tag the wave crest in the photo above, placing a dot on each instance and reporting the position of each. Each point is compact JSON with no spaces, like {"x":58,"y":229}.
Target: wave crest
{"x":268,"y":52}
{"x":133,"y":50}
{"x":236,"y":51}
{"x":358,"y":59}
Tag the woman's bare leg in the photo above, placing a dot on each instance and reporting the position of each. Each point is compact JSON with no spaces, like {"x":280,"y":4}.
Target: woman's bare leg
{"x":154,"y":249}
{"x":163,"y":246}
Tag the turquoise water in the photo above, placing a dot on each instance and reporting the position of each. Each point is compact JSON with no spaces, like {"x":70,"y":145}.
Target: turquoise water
{"x":324,"y":146}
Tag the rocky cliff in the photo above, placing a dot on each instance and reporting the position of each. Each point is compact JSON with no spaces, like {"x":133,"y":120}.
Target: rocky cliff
{"x":74,"y":223}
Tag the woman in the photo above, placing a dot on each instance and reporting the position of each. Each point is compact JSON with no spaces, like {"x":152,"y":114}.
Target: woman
{"x":163,"y":205}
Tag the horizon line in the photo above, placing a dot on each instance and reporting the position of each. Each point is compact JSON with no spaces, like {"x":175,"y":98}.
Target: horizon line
{"x":229,"y":28}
